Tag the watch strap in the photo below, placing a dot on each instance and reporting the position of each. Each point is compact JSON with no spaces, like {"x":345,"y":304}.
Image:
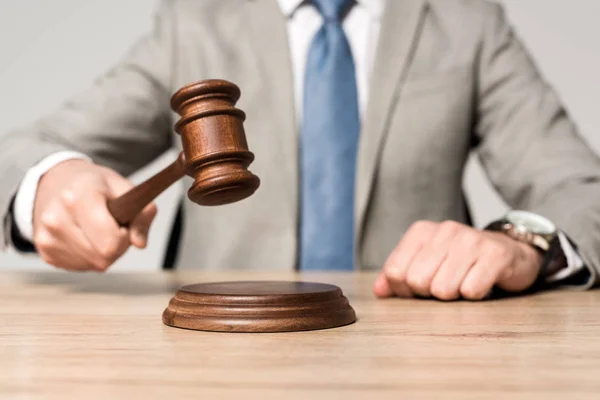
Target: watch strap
{"x":537,"y":241}
{"x":554,"y":259}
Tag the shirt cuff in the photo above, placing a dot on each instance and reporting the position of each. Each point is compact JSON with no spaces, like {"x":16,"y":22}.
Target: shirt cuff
{"x":25,"y":198}
{"x":574,"y":261}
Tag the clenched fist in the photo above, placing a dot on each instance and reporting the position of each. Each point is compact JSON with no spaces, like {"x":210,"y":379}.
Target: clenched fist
{"x":72,"y":227}
{"x":449,"y":260}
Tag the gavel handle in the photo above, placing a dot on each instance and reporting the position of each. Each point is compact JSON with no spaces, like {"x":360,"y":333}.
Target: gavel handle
{"x":127,"y":206}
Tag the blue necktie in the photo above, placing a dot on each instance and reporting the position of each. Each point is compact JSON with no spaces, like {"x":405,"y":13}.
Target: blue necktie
{"x":329,"y":142}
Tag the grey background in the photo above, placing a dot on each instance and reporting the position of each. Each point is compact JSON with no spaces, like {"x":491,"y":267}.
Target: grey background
{"x":50,"y":50}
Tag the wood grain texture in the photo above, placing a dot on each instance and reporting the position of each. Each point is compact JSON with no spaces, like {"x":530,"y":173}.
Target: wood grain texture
{"x":100,"y":336}
{"x":215,"y":152}
{"x":259,"y":306}
{"x":214,"y":142}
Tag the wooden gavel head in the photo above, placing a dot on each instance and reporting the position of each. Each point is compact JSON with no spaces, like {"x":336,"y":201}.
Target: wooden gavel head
{"x":214,"y":142}
{"x":215,"y":152}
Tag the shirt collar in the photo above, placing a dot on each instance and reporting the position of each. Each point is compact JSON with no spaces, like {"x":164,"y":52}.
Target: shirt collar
{"x":289,"y":6}
{"x":375,"y":7}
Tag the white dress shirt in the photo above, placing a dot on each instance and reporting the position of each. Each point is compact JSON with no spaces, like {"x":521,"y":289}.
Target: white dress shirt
{"x":361,"y":25}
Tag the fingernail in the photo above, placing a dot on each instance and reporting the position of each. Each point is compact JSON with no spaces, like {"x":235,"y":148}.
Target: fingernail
{"x":381,"y":287}
{"x":140,"y":238}
{"x":143,"y":240}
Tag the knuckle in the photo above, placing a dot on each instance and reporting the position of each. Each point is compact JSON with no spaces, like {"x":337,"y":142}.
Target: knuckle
{"x":69,"y":197}
{"x":44,"y":241}
{"x":106,"y":172}
{"x":50,"y":220}
{"x":109,"y":249}
{"x":451,"y":226}
{"x":469,"y":240}
{"x":102,"y":264}
{"x":444,"y":292}
{"x":394,"y":273}
{"x":418,"y":282}
{"x":471,"y":292}
{"x":99,"y":217}
{"x":112,"y":174}
{"x":420,"y":226}
{"x":113,"y":178}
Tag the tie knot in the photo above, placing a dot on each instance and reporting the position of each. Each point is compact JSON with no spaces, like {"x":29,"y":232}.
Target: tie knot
{"x":332,"y":10}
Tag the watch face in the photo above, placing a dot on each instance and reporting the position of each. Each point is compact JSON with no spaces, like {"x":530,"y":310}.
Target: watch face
{"x":531,"y":222}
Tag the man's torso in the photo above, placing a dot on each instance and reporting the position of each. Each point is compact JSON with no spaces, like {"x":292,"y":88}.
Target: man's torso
{"x":414,"y":140}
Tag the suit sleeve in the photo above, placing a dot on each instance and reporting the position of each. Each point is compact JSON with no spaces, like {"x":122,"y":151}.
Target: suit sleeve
{"x":528,"y":145}
{"x":121,"y":121}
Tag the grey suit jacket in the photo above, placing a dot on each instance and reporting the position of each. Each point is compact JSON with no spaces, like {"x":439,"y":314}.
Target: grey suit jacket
{"x":449,"y":77}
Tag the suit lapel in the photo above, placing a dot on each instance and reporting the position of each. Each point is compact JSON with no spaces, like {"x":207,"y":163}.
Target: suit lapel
{"x":270,"y":41}
{"x":398,"y":35}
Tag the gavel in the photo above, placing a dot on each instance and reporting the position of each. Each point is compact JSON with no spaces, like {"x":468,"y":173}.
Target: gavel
{"x":215,"y":152}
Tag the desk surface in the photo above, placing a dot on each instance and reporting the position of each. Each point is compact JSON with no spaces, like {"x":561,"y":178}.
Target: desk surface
{"x":100,"y":336}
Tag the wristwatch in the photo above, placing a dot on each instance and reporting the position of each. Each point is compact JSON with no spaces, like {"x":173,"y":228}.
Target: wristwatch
{"x":536,"y":231}
{"x":527,"y":227}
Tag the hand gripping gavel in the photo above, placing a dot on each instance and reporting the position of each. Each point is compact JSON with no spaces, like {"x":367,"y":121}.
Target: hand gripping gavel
{"x":215,"y":152}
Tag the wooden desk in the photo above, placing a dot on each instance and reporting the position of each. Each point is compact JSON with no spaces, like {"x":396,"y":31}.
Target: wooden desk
{"x":100,"y":336}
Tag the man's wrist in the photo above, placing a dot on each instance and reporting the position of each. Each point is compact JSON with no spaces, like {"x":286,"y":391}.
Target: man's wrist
{"x":531,"y":256}
{"x":26,"y":194}
{"x":535,"y":257}
{"x":560,"y":258}
{"x":524,"y":262}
